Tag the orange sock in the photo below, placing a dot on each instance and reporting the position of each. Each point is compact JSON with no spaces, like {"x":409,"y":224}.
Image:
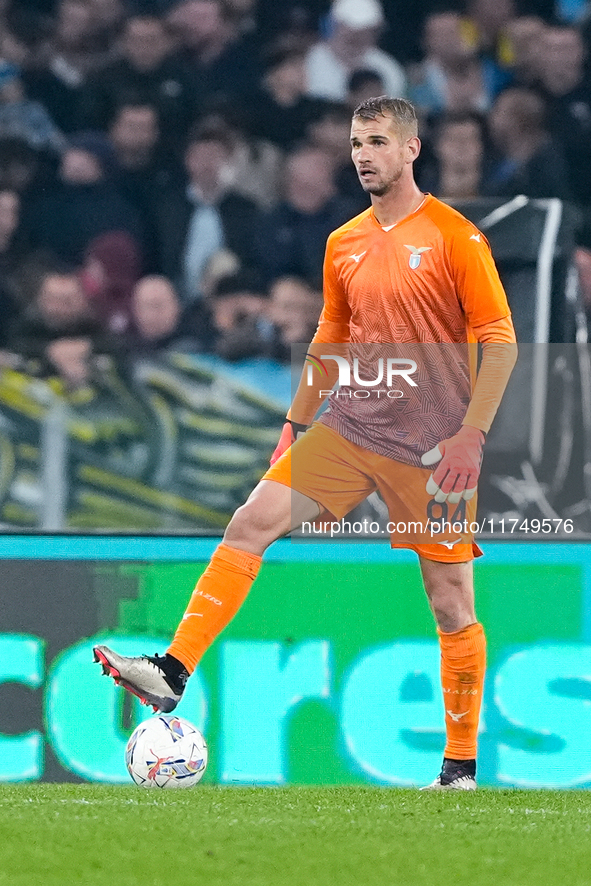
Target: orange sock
{"x":463,"y":664}
{"x":219,"y":594}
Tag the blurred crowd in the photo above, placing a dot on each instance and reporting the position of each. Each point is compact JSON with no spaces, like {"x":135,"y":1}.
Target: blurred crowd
{"x":170,"y":169}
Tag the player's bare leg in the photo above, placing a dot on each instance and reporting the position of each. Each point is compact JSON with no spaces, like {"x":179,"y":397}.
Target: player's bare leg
{"x":270,"y":512}
{"x":450,"y":589}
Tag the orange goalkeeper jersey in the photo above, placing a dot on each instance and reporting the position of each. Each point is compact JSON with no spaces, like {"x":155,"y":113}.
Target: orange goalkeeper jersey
{"x":428,"y":279}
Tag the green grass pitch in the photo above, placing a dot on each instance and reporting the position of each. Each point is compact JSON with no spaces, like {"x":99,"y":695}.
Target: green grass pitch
{"x":346,"y":836}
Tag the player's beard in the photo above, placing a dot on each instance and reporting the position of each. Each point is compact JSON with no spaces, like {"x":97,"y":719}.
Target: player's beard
{"x":379,"y":187}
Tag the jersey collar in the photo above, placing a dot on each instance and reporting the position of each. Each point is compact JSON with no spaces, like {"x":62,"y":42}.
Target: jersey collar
{"x":387,"y":228}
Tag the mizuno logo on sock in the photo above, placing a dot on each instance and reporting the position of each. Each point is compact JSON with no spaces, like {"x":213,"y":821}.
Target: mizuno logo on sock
{"x":457,"y":717}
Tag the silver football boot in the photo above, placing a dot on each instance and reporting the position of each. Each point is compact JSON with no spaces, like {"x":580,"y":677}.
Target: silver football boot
{"x":144,"y":676}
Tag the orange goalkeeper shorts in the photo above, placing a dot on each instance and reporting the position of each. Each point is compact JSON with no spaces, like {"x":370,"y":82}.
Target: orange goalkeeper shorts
{"x":339,"y":475}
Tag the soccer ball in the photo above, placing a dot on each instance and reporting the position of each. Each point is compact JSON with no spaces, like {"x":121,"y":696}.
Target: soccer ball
{"x":166,"y":752}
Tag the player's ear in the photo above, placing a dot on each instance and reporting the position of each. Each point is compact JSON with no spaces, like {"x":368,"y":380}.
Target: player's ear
{"x":413,"y":148}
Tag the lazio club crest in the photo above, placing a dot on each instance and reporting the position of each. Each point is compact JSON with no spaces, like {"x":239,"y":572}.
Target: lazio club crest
{"x":415,"y":255}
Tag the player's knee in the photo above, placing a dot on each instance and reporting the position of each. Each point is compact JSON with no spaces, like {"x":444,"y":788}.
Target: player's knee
{"x":240,"y":526}
{"x":452,"y":612}
{"x":251,"y":528}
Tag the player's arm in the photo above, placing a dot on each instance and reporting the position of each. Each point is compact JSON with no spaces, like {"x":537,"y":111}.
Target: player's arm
{"x":487,"y":311}
{"x":499,"y":354}
{"x":484,"y":301}
{"x":333,"y":329}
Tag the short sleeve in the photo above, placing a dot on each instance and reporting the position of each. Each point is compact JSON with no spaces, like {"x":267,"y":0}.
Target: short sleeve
{"x":476,"y":278}
{"x":335,"y":319}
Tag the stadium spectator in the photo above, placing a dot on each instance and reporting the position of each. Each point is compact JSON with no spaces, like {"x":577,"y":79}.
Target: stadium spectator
{"x":195,"y":221}
{"x":355,"y":28}
{"x":23,"y":32}
{"x":12,"y":253}
{"x":486,"y":28}
{"x":295,"y":20}
{"x":20,"y":117}
{"x":158,"y":322}
{"x":530,"y":162}
{"x":223,"y":63}
{"x":292,"y":237}
{"x":243,"y":16}
{"x":76,"y":51}
{"x":280,"y":108}
{"x":111,"y":268}
{"x":401,"y":37}
{"x":568,"y":90}
{"x":58,"y":334}
{"x":25,"y":40}
{"x":293,"y":309}
{"x":134,"y":132}
{"x":144,"y":167}
{"x":80,"y":46}
{"x":526,"y":34}
{"x":238,"y":307}
{"x":223,"y":264}
{"x":329,"y":131}
{"x":21,"y":167}
{"x":459,"y":153}
{"x":450,"y":77}
{"x":255,"y":164}
{"x":11,"y":247}
{"x":83,"y":203}
{"x":363,"y":84}
{"x":147,"y":72}
{"x":108,"y":16}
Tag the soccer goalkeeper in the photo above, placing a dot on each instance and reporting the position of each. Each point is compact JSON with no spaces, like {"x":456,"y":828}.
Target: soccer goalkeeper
{"x":410,"y":272}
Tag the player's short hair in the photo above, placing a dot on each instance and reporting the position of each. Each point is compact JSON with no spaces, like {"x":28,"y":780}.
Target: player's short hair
{"x":401,"y":111}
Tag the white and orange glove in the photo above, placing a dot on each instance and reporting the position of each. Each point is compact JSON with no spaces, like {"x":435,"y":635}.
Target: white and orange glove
{"x":289,"y":434}
{"x":460,"y":459}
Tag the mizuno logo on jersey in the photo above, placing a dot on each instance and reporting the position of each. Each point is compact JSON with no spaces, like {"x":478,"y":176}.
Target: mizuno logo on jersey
{"x":475,"y":237}
{"x":415,"y":254}
{"x":357,"y":258}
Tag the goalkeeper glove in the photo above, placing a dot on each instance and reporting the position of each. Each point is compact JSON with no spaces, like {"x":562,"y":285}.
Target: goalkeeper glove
{"x":460,"y":458}
{"x":289,"y":434}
